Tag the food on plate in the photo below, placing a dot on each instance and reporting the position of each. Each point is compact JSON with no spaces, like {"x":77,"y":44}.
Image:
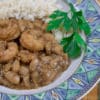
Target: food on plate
{"x":12,"y":77}
{"x":72,"y":24}
{"x":25,"y":24}
{"x":25,"y":56}
{"x":31,"y":42}
{"x":9,"y":52}
{"x":31,"y":54}
{"x":9,"y":29}
{"x":33,"y":59}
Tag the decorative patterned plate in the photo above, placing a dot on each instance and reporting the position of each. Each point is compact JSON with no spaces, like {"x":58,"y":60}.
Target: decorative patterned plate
{"x":88,"y":72}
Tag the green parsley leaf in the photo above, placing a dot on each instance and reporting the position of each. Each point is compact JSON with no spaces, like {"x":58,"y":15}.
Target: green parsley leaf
{"x":67,"y":24}
{"x":66,"y":41}
{"x":79,"y":13}
{"x":81,"y":43}
{"x":86,"y":28}
{"x":74,"y":50}
{"x":83,"y":25}
{"x":79,"y":22}
{"x":59,"y":18}
{"x":71,"y":46}
{"x":57,"y":14}
{"x":54,"y":24}
{"x":72,"y":8}
{"x":76,"y":23}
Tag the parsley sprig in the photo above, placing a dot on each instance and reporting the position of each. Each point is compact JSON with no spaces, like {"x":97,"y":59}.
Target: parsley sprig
{"x":74,"y":44}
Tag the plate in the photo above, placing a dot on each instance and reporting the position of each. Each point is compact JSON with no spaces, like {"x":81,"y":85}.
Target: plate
{"x":86,"y":75}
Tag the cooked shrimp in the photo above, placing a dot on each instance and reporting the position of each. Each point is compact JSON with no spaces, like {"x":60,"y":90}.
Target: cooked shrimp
{"x":29,"y":42}
{"x":38,"y":24}
{"x":9,"y":53}
{"x":33,"y":65}
{"x":7,"y":67}
{"x":5,"y":82}
{"x":49,"y":76}
{"x":12,"y":77}
{"x":44,"y":26}
{"x":24,"y":71}
{"x":9,"y":29}
{"x":25,"y":24}
{"x":49,"y":37}
{"x":16,"y":66}
{"x":26,"y":80}
{"x":2,"y":45}
{"x":51,"y":45}
{"x":35,"y":76}
{"x":25,"y":56}
{"x":36,"y":33}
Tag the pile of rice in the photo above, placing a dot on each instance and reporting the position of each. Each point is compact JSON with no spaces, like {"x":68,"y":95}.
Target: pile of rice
{"x":27,"y":9}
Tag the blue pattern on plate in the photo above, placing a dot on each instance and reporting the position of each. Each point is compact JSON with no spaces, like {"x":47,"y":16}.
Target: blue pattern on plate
{"x":73,"y":85}
{"x":82,"y":77}
{"x":33,"y":98}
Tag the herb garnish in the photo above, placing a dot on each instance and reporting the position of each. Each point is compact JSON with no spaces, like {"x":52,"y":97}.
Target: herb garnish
{"x":74,"y":44}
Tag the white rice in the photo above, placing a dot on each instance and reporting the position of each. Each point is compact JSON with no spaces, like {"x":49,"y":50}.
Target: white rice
{"x":27,"y":9}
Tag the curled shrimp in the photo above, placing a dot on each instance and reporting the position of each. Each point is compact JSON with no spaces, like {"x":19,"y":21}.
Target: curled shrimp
{"x":9,"y":53}
{"x":9,"y":29}
{"x":25,"y":56}
{"x":25,"y":24}
{"x":2,"y":45}
{"x":30,"y":42}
